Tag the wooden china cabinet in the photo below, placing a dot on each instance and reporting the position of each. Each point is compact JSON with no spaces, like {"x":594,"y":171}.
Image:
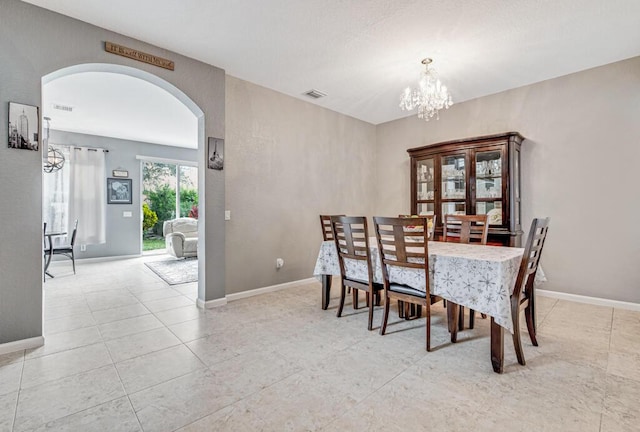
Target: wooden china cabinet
{"x":471,"y":176}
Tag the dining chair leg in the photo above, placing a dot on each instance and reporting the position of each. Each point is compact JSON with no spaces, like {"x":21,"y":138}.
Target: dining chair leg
{"x":385,"y":315}
{"x":528,"y":314}
{"x":460,"y":317}
{"x":517,"y":343}
{"x":532,"y":308}
{"x":73,"y":261}
{"x":472,"y":318}
{"x":428,"y":326}
{"x":370,"y":295}
{"x":355,"y":300}
{"x":342,"y":294}
{"x":517,"y":340}
{"x":400,"y":309}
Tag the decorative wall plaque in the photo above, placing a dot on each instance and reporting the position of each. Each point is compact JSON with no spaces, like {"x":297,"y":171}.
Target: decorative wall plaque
{"x":138,"y":55}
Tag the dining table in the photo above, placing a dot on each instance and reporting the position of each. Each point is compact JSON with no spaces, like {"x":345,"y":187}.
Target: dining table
{"x":479,"y":277}
{"x":50,"y":235}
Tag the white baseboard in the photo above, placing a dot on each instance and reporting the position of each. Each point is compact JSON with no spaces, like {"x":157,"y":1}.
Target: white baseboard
{"x":589,"y":300}
{"x":250,"y":293}
{"x":22,"y":344}
{"x":211,"y":303}
{"x":272,"y":288}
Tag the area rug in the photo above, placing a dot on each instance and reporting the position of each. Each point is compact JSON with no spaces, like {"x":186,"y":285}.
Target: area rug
{"x":176,"y":271}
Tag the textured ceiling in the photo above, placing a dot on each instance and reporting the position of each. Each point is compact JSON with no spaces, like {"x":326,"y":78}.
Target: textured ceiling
{"x":363,"y":53}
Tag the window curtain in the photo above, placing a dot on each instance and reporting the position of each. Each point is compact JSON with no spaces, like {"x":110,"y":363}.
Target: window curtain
{"x":55,"y":199}
{"x":87,"y":197}
{"x":77,"y":191}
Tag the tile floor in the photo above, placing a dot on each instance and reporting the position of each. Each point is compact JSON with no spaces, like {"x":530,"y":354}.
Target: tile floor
{"x":126,"y":352}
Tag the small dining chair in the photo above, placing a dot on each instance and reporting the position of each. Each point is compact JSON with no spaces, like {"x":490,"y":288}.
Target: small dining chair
{"x":523,"y":296}
{"x":67,"y":249}
{"x":412,"y":311}
{"x":465,"y":229}
{"x":327,"y":235}
{"x":325,"y":224}
{"x":351,"y":237}
{"x":46,"y":251}
{"x":403,"y":243}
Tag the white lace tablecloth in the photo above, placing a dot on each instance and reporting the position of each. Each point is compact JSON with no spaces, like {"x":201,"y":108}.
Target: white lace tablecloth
{"x":478,"y":277}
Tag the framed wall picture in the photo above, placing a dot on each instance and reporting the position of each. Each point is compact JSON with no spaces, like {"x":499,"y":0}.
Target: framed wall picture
{"x":119,"y":191}
{"x":24,"y":124}
{"x":215,"y":153}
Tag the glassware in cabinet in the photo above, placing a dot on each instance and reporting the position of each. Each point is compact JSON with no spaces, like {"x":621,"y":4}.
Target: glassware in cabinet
{"x":453,"y":177}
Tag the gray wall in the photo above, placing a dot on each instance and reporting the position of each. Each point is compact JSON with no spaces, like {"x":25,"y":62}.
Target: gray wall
{"x":122,"y":233}
{"x":579,"y":167}
{"x":33,"y":43}
{"x":287,"y":161}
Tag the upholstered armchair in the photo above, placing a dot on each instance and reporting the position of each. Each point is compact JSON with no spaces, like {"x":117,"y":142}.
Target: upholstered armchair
{"x":181,"y":237}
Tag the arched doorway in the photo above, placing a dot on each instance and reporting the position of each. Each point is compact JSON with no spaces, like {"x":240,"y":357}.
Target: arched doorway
{"x":169,"y":88}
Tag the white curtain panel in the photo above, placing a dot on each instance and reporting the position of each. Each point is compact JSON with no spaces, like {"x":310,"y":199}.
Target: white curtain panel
{"x":87,"y":200}
{"x":55,"y":199}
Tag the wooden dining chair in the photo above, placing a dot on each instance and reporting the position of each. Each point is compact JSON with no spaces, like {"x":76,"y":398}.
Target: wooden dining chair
{"x":465,"y":229}
{"x":67,"y":249}
{"x":403,"y":244}
{"x":325,"y":224}
{"x":351,"y":236}
{"x":327,"y":234}
{"x":46,"y":251}
{"x":410,"y":311}
{"x":523,"y":296}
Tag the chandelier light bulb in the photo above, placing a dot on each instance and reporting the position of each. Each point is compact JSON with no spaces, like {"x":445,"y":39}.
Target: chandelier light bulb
{"x":429,"y":97}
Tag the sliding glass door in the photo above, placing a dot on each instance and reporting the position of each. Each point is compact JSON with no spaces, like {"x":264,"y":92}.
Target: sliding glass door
{"x":169,"y":190}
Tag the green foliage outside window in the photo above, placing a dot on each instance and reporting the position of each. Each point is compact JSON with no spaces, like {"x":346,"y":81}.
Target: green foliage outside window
{"x":150,"y":218}
{"x":188,"y":199}
{"x":163,"y":202}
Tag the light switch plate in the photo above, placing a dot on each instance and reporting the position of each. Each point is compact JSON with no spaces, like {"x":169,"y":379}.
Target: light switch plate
{"x":227,"y":215}
{"x":127,"y":214}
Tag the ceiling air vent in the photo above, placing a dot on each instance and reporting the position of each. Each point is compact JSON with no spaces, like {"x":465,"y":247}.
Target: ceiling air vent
{"x":315,"y":94}
{"x":62,"y":107}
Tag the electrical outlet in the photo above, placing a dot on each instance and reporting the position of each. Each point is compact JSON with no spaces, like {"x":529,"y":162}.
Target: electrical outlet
{"x":83,"y":248}
{"x":279,"y":263}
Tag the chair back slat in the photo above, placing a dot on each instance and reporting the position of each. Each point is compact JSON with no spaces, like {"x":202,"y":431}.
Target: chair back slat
{"x":325,"y":224}
{"x":398,"y":247}
{"x":465,"y":228}
{"x":352,"y":241}
{"x":531,"y":257}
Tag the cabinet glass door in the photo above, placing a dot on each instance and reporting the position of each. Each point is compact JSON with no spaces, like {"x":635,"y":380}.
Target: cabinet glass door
{"x":489,"y":185}
{"x":454,"y":184}
{"x":426,"y":208}
{"x":425,"y":190}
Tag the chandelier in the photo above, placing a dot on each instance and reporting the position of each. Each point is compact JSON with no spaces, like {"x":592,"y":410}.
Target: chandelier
{"x":430,"y":97}
{"x":55,"y":159}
